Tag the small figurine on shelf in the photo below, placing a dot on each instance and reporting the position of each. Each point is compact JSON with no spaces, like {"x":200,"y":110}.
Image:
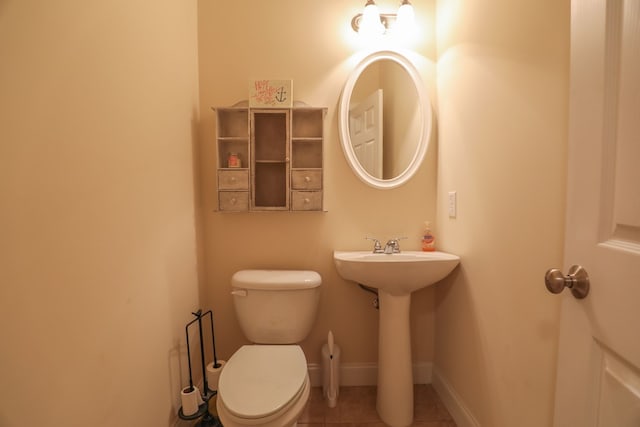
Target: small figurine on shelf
{"x":234,"y":161}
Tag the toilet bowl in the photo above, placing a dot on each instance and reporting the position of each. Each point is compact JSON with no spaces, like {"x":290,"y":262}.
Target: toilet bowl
{"x":267,"y":384}
{"x":263,"y":385}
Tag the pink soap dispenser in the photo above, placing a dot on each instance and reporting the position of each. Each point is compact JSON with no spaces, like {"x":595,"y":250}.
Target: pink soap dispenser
{"x":428,"y":241}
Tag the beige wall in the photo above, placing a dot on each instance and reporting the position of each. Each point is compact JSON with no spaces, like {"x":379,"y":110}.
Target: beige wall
{"x":99,"y":265}
{"x":502,"y":91}
{"x":97,"y":222}
{"x":310,"y":43}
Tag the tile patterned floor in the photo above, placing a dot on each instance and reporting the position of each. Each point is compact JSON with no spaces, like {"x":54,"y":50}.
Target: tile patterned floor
{"x":357,"y":408}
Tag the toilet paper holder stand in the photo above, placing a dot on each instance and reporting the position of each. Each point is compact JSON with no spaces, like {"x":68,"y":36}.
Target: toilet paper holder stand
{"x":203,"y":410}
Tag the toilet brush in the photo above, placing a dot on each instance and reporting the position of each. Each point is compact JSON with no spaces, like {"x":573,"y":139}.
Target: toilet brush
{"x":331,"y":392}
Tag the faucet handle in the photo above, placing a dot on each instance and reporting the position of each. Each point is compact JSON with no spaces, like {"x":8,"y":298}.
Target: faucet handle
{"x":395,"y":240}
{"x":377,"y":247}
{"x":393,"y":246}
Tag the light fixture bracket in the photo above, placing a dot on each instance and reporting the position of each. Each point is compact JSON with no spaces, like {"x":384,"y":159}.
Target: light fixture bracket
{"x":387,"y":19}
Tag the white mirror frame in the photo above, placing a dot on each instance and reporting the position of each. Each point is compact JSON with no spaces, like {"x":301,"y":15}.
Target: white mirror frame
{"x":343,"y":121}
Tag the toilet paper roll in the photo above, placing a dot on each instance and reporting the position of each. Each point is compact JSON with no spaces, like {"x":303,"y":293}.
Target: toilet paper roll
{"x":213,"y":374}
{"x":191,"y":400}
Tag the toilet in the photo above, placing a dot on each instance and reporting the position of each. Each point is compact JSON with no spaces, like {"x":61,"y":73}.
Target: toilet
{"x":266,"y":383}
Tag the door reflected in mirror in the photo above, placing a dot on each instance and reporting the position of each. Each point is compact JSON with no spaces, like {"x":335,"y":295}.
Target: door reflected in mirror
{"x":385,"y":120}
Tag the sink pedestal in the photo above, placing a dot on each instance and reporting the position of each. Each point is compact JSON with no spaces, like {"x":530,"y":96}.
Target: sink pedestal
{"x":395,"y":372}
{"x":395,"y":276}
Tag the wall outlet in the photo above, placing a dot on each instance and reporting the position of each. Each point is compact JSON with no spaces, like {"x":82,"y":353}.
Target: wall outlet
{"x":453,"y":205}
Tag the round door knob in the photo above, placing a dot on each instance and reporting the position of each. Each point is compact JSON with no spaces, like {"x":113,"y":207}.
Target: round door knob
{"x":577,"y":280}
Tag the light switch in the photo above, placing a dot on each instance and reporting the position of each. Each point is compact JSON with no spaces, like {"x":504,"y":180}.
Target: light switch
{"x":453,"y":205}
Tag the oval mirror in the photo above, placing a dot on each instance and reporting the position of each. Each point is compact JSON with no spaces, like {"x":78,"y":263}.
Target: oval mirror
{"x":384,"y":119}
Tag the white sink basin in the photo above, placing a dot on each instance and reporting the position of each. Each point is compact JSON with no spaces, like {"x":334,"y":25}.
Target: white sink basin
{"x":397,"y":274}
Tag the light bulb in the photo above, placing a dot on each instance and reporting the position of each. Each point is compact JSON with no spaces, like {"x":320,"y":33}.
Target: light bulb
{"x":370,"y":23}
{"x":405,"y":20}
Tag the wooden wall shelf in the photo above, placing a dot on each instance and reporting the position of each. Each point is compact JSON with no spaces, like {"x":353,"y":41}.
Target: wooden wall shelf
{"x":280,"y":156}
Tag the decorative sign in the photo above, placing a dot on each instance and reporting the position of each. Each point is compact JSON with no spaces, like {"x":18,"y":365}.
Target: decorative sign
{"x":271,"y":94}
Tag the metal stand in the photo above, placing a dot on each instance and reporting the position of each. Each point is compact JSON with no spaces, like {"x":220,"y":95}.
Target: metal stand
{"x":203,"y":410}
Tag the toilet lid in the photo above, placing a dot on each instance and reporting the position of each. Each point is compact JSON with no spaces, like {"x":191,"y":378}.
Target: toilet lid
{"x":259,"y":380}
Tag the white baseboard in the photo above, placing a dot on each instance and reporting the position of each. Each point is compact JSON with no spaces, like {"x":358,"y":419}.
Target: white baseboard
{"x":454,"y":403}
{"x":361,"y":374}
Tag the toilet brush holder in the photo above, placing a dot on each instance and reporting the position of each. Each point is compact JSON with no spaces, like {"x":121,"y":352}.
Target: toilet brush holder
{"x":331,"y":371}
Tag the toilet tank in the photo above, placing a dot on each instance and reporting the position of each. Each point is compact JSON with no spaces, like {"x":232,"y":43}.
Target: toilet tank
{"x":276,"y":306}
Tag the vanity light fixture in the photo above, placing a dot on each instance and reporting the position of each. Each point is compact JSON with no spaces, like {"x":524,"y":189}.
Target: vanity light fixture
{"x":372,"y":22}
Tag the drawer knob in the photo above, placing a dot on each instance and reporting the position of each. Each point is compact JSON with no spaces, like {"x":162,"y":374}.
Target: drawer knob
{"x":307,"y":179}
{"x":307,"y":200}
{"x":232,"y":179}
{"x":233,"y":201}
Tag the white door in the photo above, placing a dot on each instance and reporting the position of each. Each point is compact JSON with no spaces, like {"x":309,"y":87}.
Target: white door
{"x":365,"y":128}
{"x":598,"y":373}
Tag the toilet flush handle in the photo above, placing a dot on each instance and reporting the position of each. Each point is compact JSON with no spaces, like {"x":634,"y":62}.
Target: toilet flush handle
{"x":239,"y":292}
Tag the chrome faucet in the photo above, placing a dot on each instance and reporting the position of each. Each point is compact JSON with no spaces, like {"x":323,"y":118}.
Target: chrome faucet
{"x":391,"y":247}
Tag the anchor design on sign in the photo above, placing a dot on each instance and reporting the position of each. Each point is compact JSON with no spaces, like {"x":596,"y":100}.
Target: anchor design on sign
{"x":281,"y":94}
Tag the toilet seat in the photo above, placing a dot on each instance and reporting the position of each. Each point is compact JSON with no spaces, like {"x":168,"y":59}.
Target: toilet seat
{"x":261,"y":382}
{"x":286,"y":417}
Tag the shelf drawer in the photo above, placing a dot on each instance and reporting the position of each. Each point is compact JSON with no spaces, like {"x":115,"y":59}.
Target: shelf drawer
{"x":233,"y":200}
{"x":306,"y":200}
{"x":306,"y":180}
{"x":233,"y":179}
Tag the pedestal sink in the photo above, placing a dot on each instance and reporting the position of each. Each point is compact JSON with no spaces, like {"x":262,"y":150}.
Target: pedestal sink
{"x":395,"y":276}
